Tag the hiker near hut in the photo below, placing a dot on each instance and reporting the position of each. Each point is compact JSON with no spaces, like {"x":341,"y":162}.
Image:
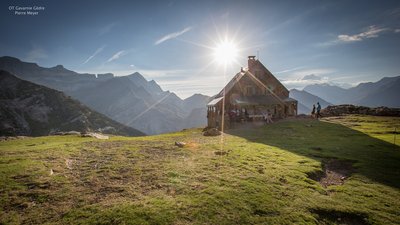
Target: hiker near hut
{"x":246,"y":115}
{"x":267,"y":117}
{"x":313,"y":111}
{"x":318,"y":110}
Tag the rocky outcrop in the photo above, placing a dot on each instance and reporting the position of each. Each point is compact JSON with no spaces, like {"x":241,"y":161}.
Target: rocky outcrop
{"x":211,"y":132}
{"x":337,"y":110}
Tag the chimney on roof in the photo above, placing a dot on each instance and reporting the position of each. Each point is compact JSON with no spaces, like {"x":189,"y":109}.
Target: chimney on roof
{"x":251,"y":62}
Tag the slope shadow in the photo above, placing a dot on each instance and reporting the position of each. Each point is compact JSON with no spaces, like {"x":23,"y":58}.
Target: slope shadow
{"x":375,"y":159}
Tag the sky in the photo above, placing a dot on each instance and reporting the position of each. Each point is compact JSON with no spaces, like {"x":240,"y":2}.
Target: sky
{"x":173,"y":42}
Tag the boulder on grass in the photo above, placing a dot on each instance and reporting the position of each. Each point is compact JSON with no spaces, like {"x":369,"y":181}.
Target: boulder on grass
{"x":212,"y":132}
{"x":180,"y":144}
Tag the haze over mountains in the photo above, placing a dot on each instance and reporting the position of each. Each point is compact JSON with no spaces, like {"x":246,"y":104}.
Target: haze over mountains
{"x":130,"y":100}
{"x":30,"y":109}
{"x":384,"y":92}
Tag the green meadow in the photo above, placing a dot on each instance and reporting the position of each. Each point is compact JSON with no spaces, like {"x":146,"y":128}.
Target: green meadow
{"x":339,"y":170}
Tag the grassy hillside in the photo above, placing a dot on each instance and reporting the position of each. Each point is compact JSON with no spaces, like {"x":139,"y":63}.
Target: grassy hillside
{"x":267,"y":175}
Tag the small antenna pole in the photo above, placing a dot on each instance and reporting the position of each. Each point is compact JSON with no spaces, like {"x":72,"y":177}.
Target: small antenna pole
{"x":258,"y":55}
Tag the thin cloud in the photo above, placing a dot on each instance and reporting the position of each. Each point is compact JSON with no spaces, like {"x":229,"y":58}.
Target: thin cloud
{"x":172,"y":35}
{"x":303,"y":77}
{"x":116,"y":56}
{"x":372,"y":32}
{"x":394,"y":13}
{"x":94,"y":54}
{"x":159,"y":74}
{"x":311,"y":77}
{"x":301,"y":82}
{"x":35,"y":54}
{"x":289,"y":70}
{"x":317,"y":72}
{"x":104,"y":30}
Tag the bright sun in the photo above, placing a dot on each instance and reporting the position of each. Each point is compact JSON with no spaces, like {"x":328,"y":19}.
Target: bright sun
{"x":226,"y":52}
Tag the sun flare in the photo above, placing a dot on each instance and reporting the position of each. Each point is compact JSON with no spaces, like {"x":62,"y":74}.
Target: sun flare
{"x":226,"y":52}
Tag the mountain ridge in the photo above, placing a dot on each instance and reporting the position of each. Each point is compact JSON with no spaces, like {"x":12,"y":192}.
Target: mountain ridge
{"x":383,"y":92}
{"x":131,"y":99}
{"x":36,"y":110}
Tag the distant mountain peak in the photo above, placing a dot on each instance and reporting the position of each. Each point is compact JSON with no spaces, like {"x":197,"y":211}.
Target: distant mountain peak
{"x":105,"y":75}
{"x":62,"y":70}
{"x":136,"y":74}
{"x":10,"y":58}
{"x":58,"y":67}
{"x":15,"y":63}
{"x":196,"y":96}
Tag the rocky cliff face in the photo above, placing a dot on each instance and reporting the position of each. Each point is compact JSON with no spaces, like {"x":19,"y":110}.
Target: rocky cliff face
{"x":337,"y":110}
{"x":34,"y":110}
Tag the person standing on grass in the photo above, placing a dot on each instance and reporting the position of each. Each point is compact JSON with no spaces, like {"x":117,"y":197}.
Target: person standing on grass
{"x":269,"y":116}
{"x":318,"y":110}
{"x":313,"y":111}
{"x":265,"y":117}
